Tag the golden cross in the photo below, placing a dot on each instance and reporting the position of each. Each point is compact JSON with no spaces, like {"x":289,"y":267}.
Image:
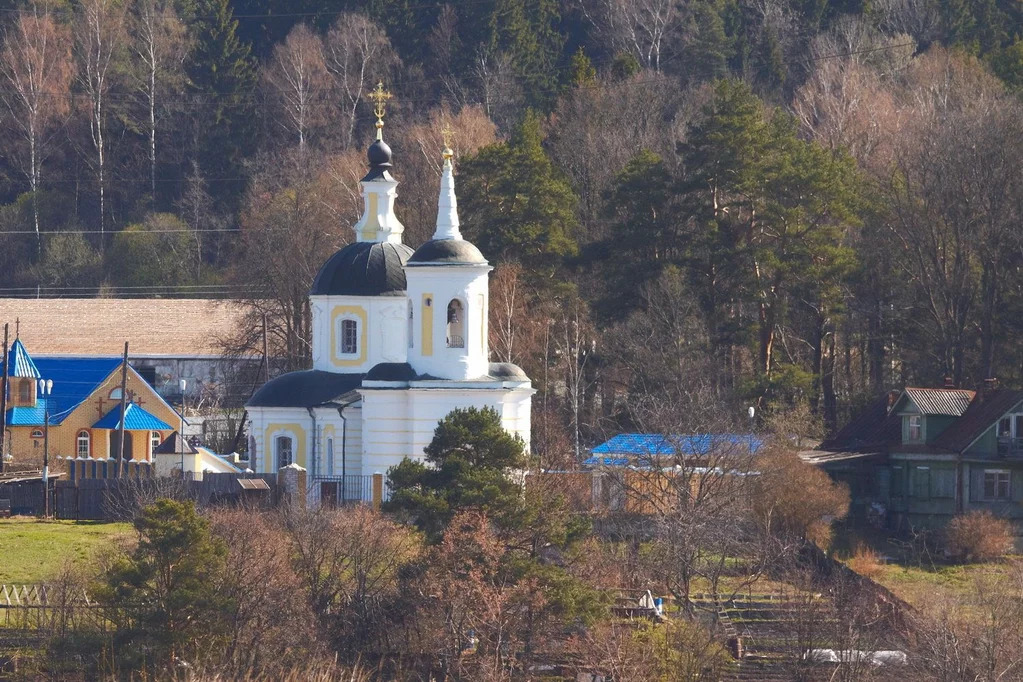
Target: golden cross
{"x":447,"y":133}
{"x":380,"y":96}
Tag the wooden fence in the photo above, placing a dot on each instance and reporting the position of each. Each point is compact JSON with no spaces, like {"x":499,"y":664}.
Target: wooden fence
{"x":107,"y":499}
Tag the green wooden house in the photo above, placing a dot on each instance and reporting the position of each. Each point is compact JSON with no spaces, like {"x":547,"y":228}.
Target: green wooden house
{"x":918,"y":457}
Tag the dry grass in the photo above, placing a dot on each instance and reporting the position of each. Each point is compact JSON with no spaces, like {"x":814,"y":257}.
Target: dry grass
{"x":866,"y":561}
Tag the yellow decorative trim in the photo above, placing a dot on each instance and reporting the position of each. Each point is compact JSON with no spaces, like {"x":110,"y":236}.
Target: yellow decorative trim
{"x":357,"y":311}
{"x":298,"y":454}
{"x":427,"y":324}
{"x":372,"y":224}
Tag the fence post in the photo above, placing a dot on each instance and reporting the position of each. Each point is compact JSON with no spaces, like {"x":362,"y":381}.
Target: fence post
{"x":378,"y":490}
{"x":292,"y":482}
{"x":596,"y":490}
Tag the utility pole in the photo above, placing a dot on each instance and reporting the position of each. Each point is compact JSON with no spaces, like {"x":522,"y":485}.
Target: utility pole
{"x":3,"y":401}
{"x":266,"y":359}
{"x":124,"y":400}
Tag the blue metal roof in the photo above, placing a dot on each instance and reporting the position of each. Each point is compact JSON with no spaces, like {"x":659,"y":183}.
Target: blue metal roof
{"x":652,"y":444}
{"x":74,"y":380}
{"x":21,"y":362}
{"x":136,"y":419}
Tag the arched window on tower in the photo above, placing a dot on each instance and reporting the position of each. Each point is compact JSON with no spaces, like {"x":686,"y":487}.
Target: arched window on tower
{"x":410,"y":327}
{"x":456,"y":324}
{"x":285,"y":453}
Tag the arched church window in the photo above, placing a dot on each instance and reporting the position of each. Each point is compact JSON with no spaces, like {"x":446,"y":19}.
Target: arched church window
{"x":349,"y":337}
{"x":154,"y":440}
{"x":285,"y":453}
{"x":330,"y":456}
{"x":37,"y":433}
{"x":115,"y":394}
{"x":456,"y":324}
{"x":411,"y":313}
{"x":82,"y":444}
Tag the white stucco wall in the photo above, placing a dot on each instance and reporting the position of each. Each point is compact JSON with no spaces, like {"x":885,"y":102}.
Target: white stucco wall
{"x":383,"y":331}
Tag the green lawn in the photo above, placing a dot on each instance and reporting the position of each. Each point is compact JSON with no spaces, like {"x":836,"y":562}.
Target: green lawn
{"x":33,"y":551}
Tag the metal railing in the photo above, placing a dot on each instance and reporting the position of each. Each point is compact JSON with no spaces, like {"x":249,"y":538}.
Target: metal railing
{"x":347,"y":490}
{"x":1010,"y":447}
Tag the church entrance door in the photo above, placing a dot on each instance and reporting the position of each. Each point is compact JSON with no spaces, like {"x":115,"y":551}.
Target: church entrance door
{"x":115,"y":440}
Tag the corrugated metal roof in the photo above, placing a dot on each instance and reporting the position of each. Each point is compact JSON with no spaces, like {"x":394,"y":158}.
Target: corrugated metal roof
{"x":135,"y":419}
{"x":652,"y":444}
{"x":21,"y":361}
{"x":174,"y":444}
{"x":984,"y":412}
{"x":871,"y":429}
{"x":948,"y":401}
{"x":74,"y":380}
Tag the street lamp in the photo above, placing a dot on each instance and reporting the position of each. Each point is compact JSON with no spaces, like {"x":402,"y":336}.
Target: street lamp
{"x":46,"y":389}
{"x":752,"y":412}
{"x":182,"y":384}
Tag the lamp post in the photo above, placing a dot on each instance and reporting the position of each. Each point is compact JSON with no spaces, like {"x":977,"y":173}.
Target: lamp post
{"x":45,"y":389}
{"x":182,"y":384}
{"x":752,"y":412}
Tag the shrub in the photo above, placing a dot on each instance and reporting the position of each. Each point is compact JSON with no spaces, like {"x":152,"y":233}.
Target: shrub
{"x":865,"y":561}
{"x":977,"y":536}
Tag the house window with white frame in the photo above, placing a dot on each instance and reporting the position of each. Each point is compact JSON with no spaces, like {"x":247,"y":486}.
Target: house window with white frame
{"x":997,"y":484}
{"x":284,"y":451}
{"x":82,"y":444}
{"x":348,"y":337}
{"x":915,"y":428}
{"x":154,"y":441}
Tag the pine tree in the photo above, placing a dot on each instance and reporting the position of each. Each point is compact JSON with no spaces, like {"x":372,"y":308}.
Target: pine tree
{"x":222,"y":76}
{"x":518,"y":205}
{"x":471,"y":457}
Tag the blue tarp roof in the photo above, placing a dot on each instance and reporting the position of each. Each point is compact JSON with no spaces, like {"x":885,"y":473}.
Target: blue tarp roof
{"x":21,"y":362}
{"x":652,"y":444}
{"x":74,"y":380}
{"x":136,"y":419}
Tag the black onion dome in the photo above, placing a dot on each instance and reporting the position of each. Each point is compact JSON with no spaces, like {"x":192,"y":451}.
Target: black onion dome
{"x":507,"y":371}
{"x":379,"y":155}
{"x":447,"y":252}
{"x":364,"y":269}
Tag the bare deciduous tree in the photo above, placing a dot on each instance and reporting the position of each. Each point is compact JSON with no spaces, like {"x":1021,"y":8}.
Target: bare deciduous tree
{"x":36,"y":66}
{"x":298,"y":80}
{"x":642,"y":27}
{"x":159,"y":43}
{"x":358,"y":53}
{"x":100,"y":39}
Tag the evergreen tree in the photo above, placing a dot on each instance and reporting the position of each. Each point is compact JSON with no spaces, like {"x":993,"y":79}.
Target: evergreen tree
{"x":471,"y":458}
{"x":222,"y":77}
{"x":708,"y":53}
{"x":518,"y":205}
{"x":582,"y":72}
{"x":644,"y":237}
{"x":163,"y":598}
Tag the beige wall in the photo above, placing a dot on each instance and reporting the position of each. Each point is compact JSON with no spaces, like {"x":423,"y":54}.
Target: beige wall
{"x":63,"y":437}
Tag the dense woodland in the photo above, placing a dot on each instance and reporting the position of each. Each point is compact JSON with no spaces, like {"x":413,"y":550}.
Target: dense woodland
{"x":794,"y":204}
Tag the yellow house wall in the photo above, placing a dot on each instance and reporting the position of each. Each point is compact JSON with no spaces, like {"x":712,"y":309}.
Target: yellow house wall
{"x":63,"y":437}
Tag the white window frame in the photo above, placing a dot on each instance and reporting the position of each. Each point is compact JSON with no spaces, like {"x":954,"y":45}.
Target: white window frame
{"x":340,"y":331}
{"x":154,"y":440}
{"x":919,"y":426}
{"x":998,"y":480}
{"x":278,"y":439}
{"x":83,"y":438}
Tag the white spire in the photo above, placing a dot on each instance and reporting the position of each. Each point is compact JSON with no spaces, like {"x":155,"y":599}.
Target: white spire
{"x":447,"y":205}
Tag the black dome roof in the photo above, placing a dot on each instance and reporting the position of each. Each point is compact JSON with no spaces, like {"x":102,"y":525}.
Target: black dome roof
{"x":507,"y":371}
{"x":364,"y":269}
{"x":379,"y":156}
{"x":447,"y":251}
{"x":305,"y":388}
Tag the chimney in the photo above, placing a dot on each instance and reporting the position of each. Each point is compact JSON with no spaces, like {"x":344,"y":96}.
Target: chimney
{"x":949,"y":382}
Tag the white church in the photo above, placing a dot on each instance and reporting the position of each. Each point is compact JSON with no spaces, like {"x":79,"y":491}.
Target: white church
{"x":399,"y":340}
